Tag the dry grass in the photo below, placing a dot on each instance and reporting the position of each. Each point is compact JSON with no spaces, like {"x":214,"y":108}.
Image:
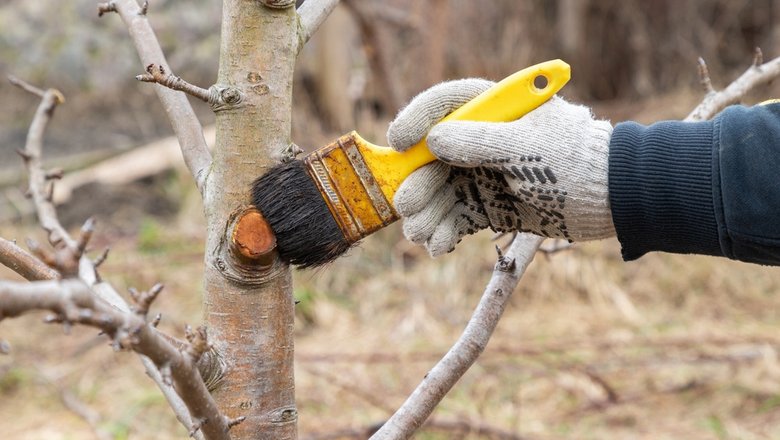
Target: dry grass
{"x":667,"y":347}
{"x":590,"y":348}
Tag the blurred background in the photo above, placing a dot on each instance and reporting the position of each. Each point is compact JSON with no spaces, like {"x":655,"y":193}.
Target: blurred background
{"x":590,"y":347}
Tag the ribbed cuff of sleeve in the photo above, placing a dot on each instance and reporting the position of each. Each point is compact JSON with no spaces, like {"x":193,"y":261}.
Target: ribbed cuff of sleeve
{"x":660,"y":188}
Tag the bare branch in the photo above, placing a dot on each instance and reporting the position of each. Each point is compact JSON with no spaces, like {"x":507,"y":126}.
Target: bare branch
{"x":162,"y":381}
{"x":101,"y":258}
{"x":157,"y":74}
{"x":21,"y":262}
{"x":185,"y":124}
{"x":73,"y":302}
{"x":471,"y":343}
{"x":313,"y":13}
{"x":26,"y":87}
{"x":68,"y":257}
{"x":704,"y":77}
{"x":716,"y":101}
{"x":235,"y":422}
{"x":32,"y":159}
{"x":758,"y":57}
{"x":174,"y":401}
{"x":143,"y":300}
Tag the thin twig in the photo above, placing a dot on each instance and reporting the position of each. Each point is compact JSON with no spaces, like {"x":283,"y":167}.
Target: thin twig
{"x":158,"y":74}
{"x":704,"y":77}
{"x":185,"y":124}
{"x":716,"y":101}
{"x":26,"y":87}
{"x":31,"y":155}
{"x":102,"y":257}
{"x":313,"y":13}
{"x":471,"y":343}
{"x":758,"y":57}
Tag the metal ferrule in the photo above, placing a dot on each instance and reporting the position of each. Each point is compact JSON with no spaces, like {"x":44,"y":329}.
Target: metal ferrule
{"x":350,"y":189}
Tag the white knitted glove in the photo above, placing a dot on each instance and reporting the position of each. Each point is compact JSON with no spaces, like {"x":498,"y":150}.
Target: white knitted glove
{"x":545,"y":173}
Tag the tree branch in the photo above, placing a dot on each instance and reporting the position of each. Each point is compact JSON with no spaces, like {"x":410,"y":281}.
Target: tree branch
{"x":312,"y":14}
{"x":469,"y":346}
{"x":21,"y":262}
{"x":73,"y":302}
{"x":158,"y":74}
{"x":716,"y":101}
{"x":40,"y":187}
{"x":185,"y":124}
{"x":69,"y":260}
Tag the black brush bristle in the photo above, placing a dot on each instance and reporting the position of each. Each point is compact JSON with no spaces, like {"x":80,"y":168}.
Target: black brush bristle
{"x":307,"y":235}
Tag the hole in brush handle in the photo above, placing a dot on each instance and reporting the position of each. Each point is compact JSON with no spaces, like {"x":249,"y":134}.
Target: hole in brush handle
{"x":541,"y":82}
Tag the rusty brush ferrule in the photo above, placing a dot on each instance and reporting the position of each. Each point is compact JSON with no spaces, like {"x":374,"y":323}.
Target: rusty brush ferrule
{"x":349,"y":188}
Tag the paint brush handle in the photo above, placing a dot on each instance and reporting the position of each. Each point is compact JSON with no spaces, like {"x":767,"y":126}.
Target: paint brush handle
{"x":507,"y":100}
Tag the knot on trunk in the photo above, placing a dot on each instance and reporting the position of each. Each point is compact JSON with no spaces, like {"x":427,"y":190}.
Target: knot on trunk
{"x":278,"y":4}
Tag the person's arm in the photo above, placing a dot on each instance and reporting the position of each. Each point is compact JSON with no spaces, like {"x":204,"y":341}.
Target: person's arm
{"x":697,"y":188}
{"x":704,"y":188}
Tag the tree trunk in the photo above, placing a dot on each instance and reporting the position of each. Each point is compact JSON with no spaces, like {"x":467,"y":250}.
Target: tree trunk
{"x":249,"y":309}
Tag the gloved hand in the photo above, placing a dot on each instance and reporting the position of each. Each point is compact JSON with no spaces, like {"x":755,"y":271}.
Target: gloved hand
{"x":545,"y":173}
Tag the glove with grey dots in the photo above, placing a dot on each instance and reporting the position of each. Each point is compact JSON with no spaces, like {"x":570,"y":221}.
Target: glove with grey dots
{"x":545,"y":173}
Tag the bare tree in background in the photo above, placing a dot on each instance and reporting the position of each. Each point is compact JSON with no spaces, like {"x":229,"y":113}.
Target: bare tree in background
{"x":236,"y":380}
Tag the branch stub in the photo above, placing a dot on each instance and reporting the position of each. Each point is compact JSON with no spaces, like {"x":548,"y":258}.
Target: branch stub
{"x":253,"y":241}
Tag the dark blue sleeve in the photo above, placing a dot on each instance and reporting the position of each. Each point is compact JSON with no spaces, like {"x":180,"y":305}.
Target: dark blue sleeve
{"x":708,"y":188}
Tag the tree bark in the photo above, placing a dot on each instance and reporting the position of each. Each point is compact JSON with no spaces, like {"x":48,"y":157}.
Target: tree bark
{"x":249,"y":309}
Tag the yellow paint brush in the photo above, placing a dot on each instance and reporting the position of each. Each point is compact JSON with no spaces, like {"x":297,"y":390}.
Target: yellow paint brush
{"x":321,"y":205}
